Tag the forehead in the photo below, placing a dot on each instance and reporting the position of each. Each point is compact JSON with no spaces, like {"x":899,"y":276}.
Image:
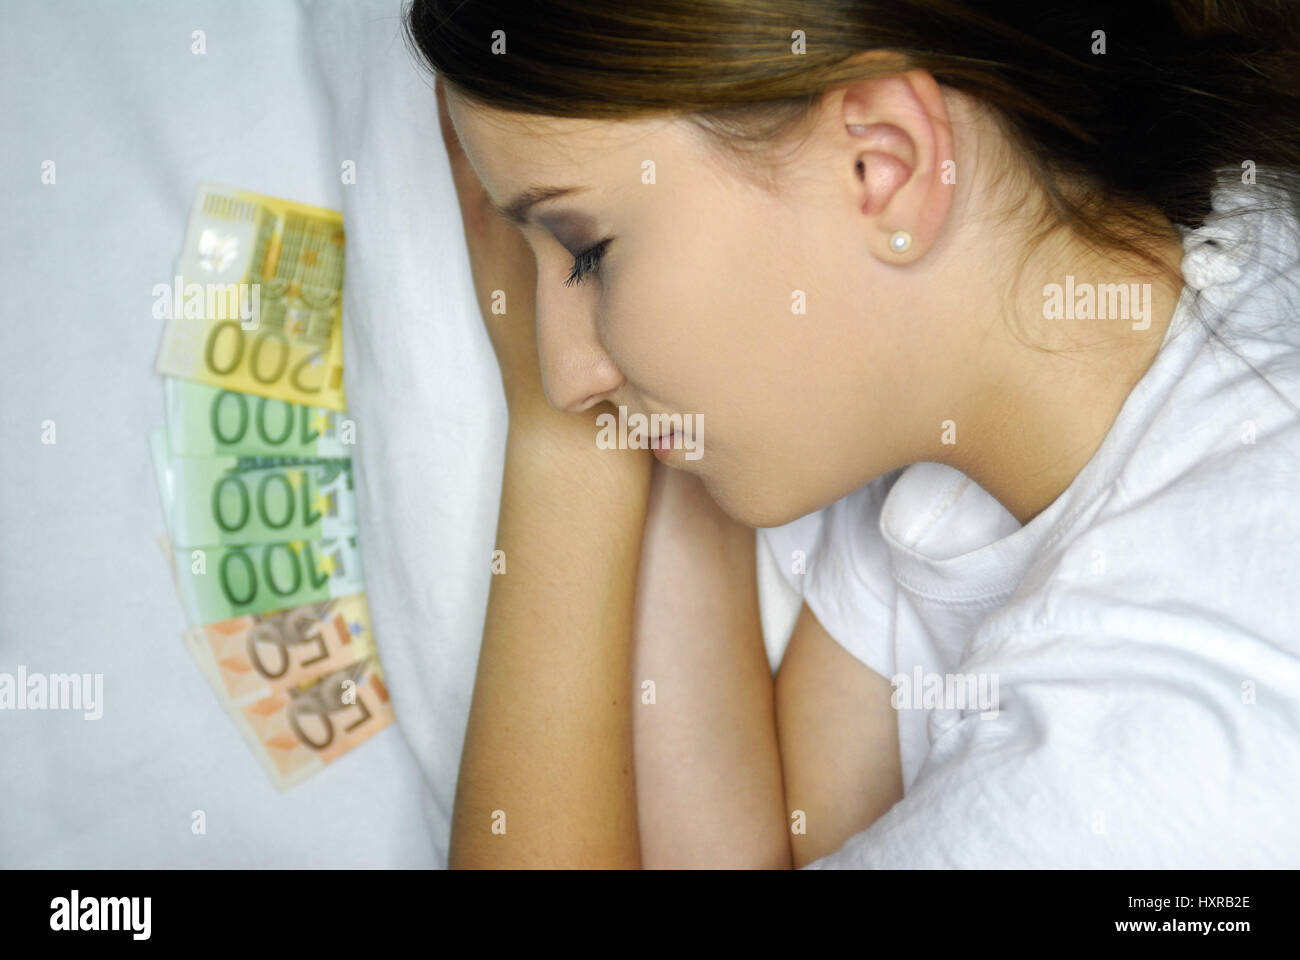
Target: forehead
{"x":510,"y":151}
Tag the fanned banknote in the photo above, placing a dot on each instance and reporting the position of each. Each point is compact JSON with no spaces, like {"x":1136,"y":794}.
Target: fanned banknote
{"x":295,"y":730}
{"x":256,"y":302}
{"x":254,"y":657}
{"x":209,"y":501}
{"x":207,"y":421}
{"x":283,"y":678}
{"x":297,"y":733}
{"x":221,"y":582}
{"x":254,"y":472}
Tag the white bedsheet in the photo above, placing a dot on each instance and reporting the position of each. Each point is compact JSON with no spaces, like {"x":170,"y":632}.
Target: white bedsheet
{"x":285,"y":94}
{"x":133,"y":120}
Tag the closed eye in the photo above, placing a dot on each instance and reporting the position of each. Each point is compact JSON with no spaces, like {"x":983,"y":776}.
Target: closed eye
{"x":587,"y":262}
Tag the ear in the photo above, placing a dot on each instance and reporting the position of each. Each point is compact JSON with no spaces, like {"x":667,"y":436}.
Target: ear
{"x":899,"y":139}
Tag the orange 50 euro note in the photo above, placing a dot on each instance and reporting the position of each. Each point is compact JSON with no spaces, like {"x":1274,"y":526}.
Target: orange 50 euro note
{"x":304,"y":686}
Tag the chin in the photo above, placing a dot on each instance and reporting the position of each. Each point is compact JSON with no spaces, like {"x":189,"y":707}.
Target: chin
{"x":755,"y":508}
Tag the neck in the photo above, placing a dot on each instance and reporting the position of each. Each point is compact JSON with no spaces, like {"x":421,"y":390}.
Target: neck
{"x":1040,"y":404}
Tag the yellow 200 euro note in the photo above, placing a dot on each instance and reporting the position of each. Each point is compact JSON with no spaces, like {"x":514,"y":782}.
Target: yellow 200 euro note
{"x":256,"y":303}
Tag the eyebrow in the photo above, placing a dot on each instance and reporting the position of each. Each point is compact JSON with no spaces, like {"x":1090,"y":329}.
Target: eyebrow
{"x":516,"y":211}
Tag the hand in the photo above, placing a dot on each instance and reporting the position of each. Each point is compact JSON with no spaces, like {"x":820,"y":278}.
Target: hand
{"x":500,"y":259}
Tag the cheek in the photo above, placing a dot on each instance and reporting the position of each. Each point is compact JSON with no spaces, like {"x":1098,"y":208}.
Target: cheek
{"x":732,"y":329}
{"x":687,"y":312}
{"x":651,"y":326}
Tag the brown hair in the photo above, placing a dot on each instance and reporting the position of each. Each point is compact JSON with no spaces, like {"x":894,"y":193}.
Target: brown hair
{"x":1185,"y":94}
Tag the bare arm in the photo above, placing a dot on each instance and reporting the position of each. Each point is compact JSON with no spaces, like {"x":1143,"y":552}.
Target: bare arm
{"x":708,"y":770}
{"x":839,"y":740}
{"x":549,"y":741}
{"x":546,"y":774}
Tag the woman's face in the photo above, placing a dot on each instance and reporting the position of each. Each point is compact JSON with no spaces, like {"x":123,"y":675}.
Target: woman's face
{"x":762,"y":313}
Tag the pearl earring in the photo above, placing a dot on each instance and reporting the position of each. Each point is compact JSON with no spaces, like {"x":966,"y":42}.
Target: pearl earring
{"x":901,"y":241}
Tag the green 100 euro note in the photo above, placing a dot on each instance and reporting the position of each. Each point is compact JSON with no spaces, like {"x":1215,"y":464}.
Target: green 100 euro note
{"x":208,"y":421}
{"x":210,"y":501}
{"x":221,"y":582}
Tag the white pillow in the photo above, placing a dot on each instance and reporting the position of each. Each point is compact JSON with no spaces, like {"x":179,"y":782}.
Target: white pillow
{"x":424,"y":388}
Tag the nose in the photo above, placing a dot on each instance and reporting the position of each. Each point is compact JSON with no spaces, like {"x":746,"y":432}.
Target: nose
{"x":577,"y":372}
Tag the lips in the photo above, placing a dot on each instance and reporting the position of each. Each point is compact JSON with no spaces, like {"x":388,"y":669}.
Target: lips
{"x":665,"y":441}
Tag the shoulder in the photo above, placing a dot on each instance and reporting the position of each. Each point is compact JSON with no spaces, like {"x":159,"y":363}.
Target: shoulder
{"x":1202,"y":520}
{"x":1148,"y":660}
{"x":1200,"y":516}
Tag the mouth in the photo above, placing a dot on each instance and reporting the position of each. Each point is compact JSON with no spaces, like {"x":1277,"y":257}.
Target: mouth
{"x":664,"y":443}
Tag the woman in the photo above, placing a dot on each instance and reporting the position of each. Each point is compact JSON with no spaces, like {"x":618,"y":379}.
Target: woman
{"x":990,"y":312}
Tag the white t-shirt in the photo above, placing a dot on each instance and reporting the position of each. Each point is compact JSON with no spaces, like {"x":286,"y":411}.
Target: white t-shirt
{"x":1139,"y":639}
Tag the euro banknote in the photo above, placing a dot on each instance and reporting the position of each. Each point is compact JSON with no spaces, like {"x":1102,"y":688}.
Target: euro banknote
{"x":253,"y":657}
{"x":208,"y":421}
{"x":299,"y":732}
{"x":303,"y":686}
{"x":296,"y":729}
{"x":255,"y":305}
{"x":254,"y":473}
{"x":210,"y":501}
{"x":221,"y":582}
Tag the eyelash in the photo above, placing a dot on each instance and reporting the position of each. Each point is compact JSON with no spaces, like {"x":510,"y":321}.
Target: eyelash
{"x":586,"y":263}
